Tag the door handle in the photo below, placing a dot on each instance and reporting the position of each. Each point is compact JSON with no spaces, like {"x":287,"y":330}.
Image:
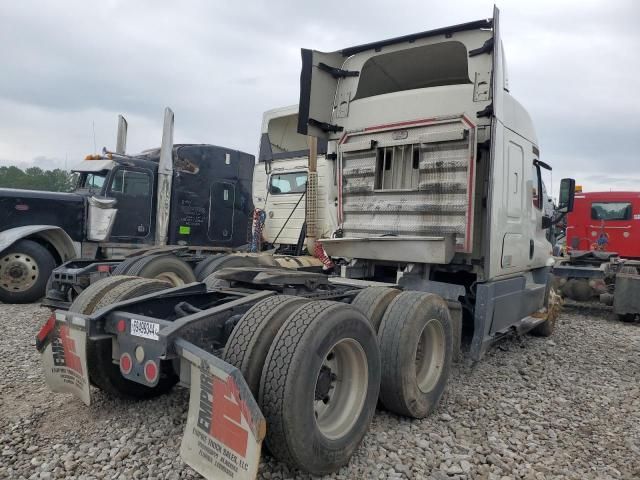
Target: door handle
{"x":531,"y":249}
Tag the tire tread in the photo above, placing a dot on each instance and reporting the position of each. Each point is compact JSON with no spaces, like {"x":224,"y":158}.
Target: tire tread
{"x":276,"y":370}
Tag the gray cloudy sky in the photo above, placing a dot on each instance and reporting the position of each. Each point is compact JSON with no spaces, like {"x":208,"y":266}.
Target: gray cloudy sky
{"x":219,"y":64}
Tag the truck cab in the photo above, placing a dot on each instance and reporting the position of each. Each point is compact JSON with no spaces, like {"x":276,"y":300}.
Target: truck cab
{"x":182,"y":195}
{"x":280,"y":183}
{"x":438,"y":170}
{"x":605,"y":221}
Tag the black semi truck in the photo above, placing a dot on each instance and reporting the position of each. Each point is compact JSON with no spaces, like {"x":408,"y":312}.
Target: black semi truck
{"x":187,"y":199}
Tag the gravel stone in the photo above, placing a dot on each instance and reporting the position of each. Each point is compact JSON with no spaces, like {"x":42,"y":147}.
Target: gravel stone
{"x":532,"y":409}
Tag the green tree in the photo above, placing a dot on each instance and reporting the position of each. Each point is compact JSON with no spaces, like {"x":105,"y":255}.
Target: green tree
{"x":34,"y":178}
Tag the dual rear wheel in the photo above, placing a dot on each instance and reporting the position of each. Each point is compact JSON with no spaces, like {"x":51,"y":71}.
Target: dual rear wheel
{"x":318,"y":368}
{"x":314,"y":367}
{"x":103,"y":372}
{"x":166,"y":268}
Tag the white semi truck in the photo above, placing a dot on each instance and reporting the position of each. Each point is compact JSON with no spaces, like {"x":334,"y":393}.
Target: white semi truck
{"x":439,"y":225}
{"x":280,"y":185}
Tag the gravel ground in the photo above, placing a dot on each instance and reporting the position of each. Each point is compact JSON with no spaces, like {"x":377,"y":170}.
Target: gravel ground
{"x":534,"y":408}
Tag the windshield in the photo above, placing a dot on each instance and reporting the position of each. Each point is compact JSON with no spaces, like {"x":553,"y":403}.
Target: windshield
{"x":611,"y":211}
{"x":282,"y":140}
{"x":91,"y":181}
{"x":295,"y":182}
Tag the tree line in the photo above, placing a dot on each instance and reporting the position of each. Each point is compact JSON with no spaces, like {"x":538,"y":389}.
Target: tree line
{"x":35,"y":178}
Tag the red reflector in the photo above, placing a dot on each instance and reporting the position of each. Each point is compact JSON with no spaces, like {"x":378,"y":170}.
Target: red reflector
{"x":121,"y":325}
{"x":104,"y":268}
{"x":47,"y":328}
{"x":150,"y":371}
{"x":125,"y":363}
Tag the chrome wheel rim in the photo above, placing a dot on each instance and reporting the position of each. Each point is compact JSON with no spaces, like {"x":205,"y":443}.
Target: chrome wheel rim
{"x":430,"y":355}
{"x":341,"y":388}
{"x":18,"y":272}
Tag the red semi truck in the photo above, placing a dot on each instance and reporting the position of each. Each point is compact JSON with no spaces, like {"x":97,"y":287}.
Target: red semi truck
{"x":606,"y":222}
{"x":603,"y":247}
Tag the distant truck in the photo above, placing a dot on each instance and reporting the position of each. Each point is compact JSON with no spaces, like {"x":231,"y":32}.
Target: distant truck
{"x":605,"y":222}
{"x":280,"y":186}
{"x":278,"y":236}
{"x":193,"y":198}
{"x":603,"y":251}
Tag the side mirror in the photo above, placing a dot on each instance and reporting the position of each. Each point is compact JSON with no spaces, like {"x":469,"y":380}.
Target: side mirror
{"x":546,"y":222}
{"x":567,"y":194}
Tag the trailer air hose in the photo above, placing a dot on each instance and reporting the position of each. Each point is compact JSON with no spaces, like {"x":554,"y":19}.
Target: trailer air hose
{"x":321,"y":255}
{"x":259,"y":217}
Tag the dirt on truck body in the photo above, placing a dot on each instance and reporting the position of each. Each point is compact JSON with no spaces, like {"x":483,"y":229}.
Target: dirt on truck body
{"x":440,"y":235}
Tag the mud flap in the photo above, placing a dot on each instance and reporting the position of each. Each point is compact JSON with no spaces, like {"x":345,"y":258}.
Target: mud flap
{"x":225,"y":427}
{"x":65,"y":358}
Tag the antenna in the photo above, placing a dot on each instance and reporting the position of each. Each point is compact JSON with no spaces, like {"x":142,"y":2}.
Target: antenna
{"x":95,"y":149}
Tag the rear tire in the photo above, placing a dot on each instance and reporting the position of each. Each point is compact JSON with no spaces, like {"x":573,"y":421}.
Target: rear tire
{"x":578,"y":289}
{"x":626,"y":317}
{"x":373,"y":302}
{"x":103,"y":373}
{"x":251,"y":338}
{"x":416,"y":345}
{"x":226,"y":261}
{"x":25,"y":268}
{"x":86,"y":302}
{"x":167,"y":268}
{"x":319,"y":386}
{"x":124,"y":265}
{"x":197,"y":271}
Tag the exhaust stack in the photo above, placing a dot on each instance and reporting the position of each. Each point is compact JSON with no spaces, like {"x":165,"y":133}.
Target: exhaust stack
{"x":165,"y":175}
{"x":121,"y":140}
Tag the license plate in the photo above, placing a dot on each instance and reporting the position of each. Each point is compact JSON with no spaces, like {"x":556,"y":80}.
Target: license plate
{"x":143,"y":329}
{"x":65,"y":361}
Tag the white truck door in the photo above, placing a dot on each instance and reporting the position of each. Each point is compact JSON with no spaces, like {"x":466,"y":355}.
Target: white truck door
{"x":514,"y":244}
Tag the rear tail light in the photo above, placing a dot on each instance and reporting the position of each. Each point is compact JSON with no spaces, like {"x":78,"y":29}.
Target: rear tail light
{"x":45,"y":331}
{"x":151,"y":371}
{"x":125,"y":363}
{"x":104,"y":268}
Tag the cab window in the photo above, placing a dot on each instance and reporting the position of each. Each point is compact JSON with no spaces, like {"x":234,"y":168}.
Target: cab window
{"x":131,"y":183}
{"x":537,"y":188}
{"x":92,"y":181}
{"x":295,"y":182}
{"x":611,"y":211}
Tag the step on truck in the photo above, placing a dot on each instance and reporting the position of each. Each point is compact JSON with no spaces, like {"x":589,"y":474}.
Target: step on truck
{"x":440,"y":230}
{"x":168,"y":209}
{"x":602,"y":260}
